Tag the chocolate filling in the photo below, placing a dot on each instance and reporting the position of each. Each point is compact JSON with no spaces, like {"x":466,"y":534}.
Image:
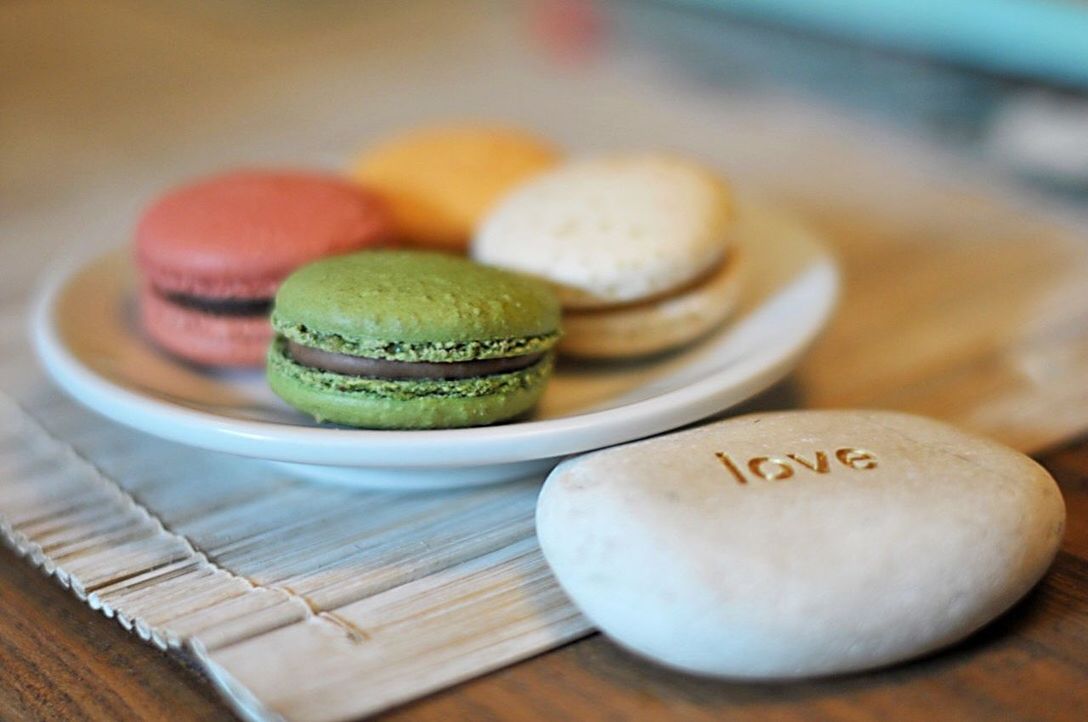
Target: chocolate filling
{"x":221,"y":306}
{"x":381,"y":368}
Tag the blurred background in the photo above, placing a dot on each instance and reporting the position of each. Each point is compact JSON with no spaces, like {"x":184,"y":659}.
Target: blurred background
{"x":1006,"y":80}
{"x":103,"y":104}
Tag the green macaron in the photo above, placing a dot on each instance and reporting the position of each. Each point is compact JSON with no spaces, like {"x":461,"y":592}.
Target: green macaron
{"x":411,"y":340}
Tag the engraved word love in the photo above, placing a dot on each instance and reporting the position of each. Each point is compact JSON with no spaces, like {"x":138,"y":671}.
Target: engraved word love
{"x":777,"y":468}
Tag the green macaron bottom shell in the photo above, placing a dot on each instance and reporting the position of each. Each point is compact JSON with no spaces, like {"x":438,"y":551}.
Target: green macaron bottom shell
{"x":373,"y":403}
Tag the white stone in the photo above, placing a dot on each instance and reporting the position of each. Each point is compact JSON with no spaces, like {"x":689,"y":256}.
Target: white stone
{"x":798,"y":543}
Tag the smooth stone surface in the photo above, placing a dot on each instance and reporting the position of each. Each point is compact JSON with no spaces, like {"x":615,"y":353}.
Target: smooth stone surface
{"x":800,"y":543}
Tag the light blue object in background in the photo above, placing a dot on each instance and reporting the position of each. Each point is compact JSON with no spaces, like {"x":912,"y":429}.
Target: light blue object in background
{"x":1041,"y":38}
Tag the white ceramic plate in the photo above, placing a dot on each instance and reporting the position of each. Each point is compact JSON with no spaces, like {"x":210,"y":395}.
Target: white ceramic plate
{"x":87,"y":339}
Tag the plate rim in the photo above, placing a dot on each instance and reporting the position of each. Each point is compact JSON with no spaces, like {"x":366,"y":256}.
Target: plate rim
{"x":472,"y":446}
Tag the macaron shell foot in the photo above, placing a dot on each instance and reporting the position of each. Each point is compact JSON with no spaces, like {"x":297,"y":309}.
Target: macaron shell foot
{"x":237,"y":341}
{"x":655,"y":327}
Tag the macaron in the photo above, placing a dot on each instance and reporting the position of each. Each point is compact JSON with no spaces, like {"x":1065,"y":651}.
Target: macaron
{"x":211,"y":255}
{"x":638,"y":248}
{"x":411,"y":340}
{"x":440,"y":181}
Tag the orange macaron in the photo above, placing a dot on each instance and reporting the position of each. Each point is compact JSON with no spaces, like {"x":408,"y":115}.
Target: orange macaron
{"x":440,"y":181}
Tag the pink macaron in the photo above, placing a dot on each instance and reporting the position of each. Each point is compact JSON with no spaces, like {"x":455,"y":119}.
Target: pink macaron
{"x":211,"y":255}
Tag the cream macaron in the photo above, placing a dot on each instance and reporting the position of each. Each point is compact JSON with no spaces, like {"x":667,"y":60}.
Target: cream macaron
{"x":637,"y":246}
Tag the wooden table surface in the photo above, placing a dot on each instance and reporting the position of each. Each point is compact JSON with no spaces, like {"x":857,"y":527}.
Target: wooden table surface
{"x":60,"y":660}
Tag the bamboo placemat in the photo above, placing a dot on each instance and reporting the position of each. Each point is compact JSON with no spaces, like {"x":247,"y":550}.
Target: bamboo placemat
{"x":962,"y":300}
{"x":291,"y":590}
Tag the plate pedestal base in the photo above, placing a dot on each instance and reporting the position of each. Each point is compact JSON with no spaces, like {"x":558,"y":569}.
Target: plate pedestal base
{"x":420,"y":479}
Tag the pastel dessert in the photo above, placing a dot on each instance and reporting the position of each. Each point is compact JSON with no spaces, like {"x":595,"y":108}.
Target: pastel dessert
{"x":439,"y":182}
{"x":411,"y":340}
{"x":212,"y":254}
{"x":638,"y":248}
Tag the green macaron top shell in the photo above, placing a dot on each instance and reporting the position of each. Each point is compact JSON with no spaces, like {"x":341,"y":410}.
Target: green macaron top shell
{"x":416,"y":306}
